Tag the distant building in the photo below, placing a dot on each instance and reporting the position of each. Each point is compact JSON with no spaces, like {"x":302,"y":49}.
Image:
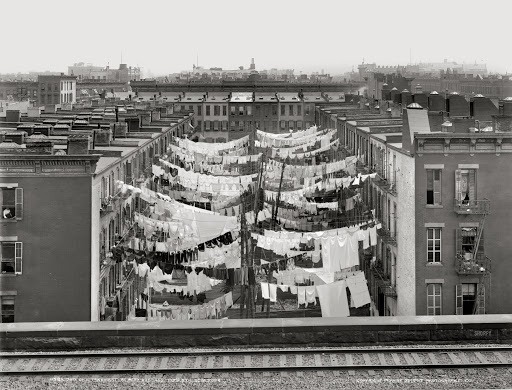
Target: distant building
{"x":48,"y":89}
{"x":123,"y":74}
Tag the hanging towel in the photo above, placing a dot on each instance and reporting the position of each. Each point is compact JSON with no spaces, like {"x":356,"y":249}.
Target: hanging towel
{"x":311,"y":294}
{"x":359,"y":293}
{"x":229,"y":299}
{"x":265,"y":293}
{"x":272,"y":292}
{"x":301,"y":295}
{"x":333,"y":299}
{"x":373,"y":235}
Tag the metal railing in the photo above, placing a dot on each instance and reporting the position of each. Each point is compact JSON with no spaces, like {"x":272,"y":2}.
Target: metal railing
{"x":482,"y":206}
{"x":383,"y":281}
{"x":480,"y":264}
{"x":387,"y":235}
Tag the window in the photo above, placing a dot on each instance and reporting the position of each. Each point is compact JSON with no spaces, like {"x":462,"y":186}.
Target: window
{"x":434,"y":245}
{"x":233,"y":110}
{"x":469,"y":299}
{"x":216,"y":110}
{"x":290,"y":108}
{"x":208,"y":110}
{"x":11,"y":200}
{"x":241,"y":126}
{"x":224,"y":110}
{"x":249,"y":110}
{"x":200,"y":125}
{"x":274,"y":109}
{"x":299,"y":110}
{"x":467,"y":240}
{"x":291,"y":125}
{"x":199,"y":110}
{"x":283,"y":125}
{"x":434,"y":299}
{"x":182,"y":108}
{"x":233,"y":125}
{"x":240,"y":110}
{"x":10,"y":256}
{"x":7,"y":309}
{"x":299,"y":125}
{"x":307,"y":109}
{"x":207,"y":125}
{"x":216,"y":126}
{"x":257,"y":125}
{"x":258,"y":109}
{"x":283,"y":108}
{"x":465,"y":185}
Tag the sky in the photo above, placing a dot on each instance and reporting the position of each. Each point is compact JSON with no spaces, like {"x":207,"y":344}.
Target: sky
{"x":167,"y":36}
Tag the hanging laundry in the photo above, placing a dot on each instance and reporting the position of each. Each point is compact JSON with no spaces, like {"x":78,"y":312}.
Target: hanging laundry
{"x":272,"y":292}
{"x":265,"y":292}
{"x":301,"y":295}
{"x":333,"y":299}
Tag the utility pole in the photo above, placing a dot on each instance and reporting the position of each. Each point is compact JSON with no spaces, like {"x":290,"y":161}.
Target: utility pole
{"x":274,"y":220}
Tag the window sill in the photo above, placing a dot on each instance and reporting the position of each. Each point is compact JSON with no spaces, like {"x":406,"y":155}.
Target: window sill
{"x":9,"y":220}
{"x":434,"y":206}
{"x":434,"y":264}
{"x":8,"y":275}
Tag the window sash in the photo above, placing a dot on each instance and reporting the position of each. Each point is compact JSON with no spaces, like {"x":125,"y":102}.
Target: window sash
{"x":434,"y":245}
{"x":434,"y":299}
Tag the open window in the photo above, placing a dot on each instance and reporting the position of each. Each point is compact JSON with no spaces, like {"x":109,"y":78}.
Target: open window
{"x":11,"y":253}
{"x":467,"y":241}
{"x":470,"y":299}
{"x":11,"y":201}
{"x":465,"y":186}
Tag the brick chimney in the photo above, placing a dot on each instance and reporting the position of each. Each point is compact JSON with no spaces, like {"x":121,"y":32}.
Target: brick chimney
{"x":79,"y":144}
{"x":103,"y":137}
{"x":39,"y":144}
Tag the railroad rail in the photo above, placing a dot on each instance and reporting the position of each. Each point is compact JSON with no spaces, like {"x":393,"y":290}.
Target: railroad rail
{"x":414,"y":360}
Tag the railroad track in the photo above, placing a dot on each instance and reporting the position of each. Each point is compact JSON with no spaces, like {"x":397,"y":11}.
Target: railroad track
{"x":415,"y":361}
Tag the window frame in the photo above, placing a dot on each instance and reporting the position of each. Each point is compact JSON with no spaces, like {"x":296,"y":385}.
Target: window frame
{"x":4,"y":301}
{"x":434,"y":250}
{"x":439,"y":181}
{"x":17,"y":261}
{"x":432,"y":294}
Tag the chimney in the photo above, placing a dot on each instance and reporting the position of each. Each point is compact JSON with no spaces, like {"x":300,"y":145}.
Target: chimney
{"x":39,"y":144}
{"x":79,"y":144}
{"x":103,"y":136}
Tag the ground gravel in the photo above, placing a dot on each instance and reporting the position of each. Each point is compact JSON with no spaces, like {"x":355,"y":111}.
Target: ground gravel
{"x":451,"y":379}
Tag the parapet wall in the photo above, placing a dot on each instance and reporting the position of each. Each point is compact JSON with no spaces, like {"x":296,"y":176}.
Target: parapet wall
{"x":257,"y":332}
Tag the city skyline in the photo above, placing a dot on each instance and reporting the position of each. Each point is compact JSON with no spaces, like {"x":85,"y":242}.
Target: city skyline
{"x":225,"y":34}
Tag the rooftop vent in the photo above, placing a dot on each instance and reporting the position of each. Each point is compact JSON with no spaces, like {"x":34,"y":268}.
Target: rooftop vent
{"x":405,"y":90}
{"x":454,"y":93}
{"x":434,"y":93}
{"x":447,"y":124}
{"x":414,"y":106}
{"x":479,"y":95}
{"x":508,"y":99}
{"x":394,"y":89}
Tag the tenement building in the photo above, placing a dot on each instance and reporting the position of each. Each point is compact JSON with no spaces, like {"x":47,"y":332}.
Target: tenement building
{"x":441,"y":198}
{"x":62,"y":210}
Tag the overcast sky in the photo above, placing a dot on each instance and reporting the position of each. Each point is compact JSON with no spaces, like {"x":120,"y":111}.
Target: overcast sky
{"x":165,"y":36}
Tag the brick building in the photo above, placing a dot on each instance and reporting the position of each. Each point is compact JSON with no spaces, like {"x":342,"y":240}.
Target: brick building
{"x":62,"y":212}
{"x":440,"y":250}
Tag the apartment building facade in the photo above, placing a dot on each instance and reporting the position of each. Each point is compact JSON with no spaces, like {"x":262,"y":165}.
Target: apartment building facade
{"x":62,"y":212}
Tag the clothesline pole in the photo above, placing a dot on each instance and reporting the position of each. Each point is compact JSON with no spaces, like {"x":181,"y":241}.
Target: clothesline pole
{"x":274,"y":220}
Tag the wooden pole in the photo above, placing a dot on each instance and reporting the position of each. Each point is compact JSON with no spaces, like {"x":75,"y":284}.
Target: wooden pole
{"x":274,"y":221}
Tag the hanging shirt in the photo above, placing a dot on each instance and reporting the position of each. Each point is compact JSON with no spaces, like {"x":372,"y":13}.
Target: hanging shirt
{"x":333,"y":299}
